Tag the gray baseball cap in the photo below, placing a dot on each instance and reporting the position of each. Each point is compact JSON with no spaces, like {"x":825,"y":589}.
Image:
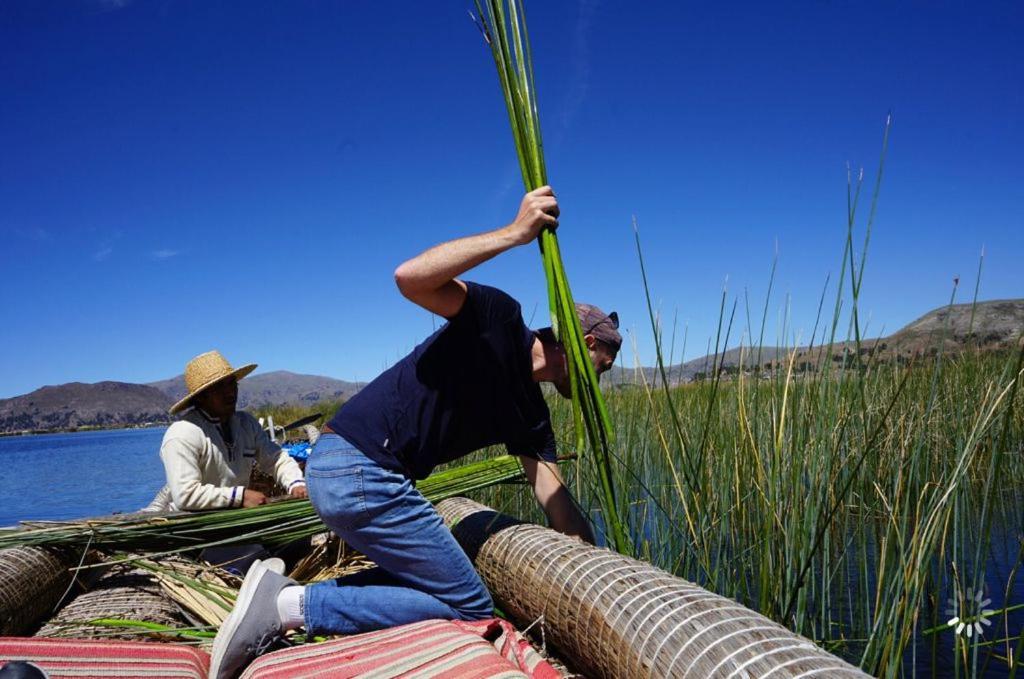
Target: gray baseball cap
{"x":604,"y":327}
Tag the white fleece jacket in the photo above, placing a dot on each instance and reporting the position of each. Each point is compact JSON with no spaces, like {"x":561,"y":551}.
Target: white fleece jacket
{"x":203,"y":472}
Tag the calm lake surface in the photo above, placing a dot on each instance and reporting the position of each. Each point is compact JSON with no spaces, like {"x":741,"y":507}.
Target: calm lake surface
{"x":70,"y":476}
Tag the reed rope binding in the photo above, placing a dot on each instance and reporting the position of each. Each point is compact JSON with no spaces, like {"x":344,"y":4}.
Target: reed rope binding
{"x":32,"y":580}
{"x":621,"y":618}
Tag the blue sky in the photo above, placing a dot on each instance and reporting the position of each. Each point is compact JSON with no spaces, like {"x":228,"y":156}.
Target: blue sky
{"x":177,"y":176}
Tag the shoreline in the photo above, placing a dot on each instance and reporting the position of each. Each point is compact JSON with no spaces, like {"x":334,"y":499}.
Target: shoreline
{"x":82,"y":429}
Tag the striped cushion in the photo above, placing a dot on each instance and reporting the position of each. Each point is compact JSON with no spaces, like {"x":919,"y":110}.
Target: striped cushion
{"x":80,"y":658}
{"x":434,"y":648}
{"x":513,"y":646}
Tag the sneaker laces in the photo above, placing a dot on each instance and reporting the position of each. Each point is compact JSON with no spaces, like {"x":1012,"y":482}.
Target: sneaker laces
{"x":264,"y":643}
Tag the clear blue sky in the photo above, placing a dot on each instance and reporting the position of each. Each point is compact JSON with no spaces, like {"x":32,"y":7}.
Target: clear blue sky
{"x":181,"y":175}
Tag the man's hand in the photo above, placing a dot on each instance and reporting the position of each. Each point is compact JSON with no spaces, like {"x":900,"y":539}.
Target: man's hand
{"x":253,"y":498}
{"x":299,"y":491}
{"x":538,"y":210}
{"x":429,"y":279}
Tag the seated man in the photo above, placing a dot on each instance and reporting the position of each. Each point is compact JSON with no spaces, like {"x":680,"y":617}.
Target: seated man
{"x":209,"y":453}
{"x":472,"y":384}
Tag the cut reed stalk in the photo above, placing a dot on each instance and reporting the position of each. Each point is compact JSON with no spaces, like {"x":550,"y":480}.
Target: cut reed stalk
{"x":503,"y":25}
{"x":272,"y":525}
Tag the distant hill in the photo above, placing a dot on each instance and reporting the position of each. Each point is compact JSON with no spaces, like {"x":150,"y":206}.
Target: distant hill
{"x":987,"y":325}
{"x":69,"y":406}
{"x":990,"y":324}
{"x":273,"y":388}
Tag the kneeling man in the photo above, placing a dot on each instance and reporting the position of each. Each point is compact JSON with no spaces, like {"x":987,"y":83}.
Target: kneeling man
{"x":472,"y":384}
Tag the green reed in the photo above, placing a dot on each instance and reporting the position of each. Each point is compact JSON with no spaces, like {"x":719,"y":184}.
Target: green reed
{"x":503,"y":26}
{"x":273,"y":524}
{"x":847,"y":506}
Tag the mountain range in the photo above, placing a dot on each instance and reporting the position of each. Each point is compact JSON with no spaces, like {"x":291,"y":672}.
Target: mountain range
{"x":108,"y":404}
{"x":987,"y":325}
{"x":991,"y":325}
{"x":272,"y":388}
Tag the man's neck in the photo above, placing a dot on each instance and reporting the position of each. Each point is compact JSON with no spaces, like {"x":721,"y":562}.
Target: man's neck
{"x":214,"y":418}
{"x":545,"y":360}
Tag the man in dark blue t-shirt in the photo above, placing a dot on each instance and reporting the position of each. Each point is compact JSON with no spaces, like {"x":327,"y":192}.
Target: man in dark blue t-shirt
{"x":473,"y":383}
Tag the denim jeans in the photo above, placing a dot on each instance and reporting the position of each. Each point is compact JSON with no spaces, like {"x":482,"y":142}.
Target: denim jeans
{"x":422,"y":572}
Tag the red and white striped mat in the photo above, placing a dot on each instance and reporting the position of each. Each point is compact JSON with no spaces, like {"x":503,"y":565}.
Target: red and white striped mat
{"x":432,"y":649}
{"x":102,"y":658}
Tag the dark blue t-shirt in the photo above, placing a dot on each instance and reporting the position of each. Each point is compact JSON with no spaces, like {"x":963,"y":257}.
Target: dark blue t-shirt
{"x":467,"y":386}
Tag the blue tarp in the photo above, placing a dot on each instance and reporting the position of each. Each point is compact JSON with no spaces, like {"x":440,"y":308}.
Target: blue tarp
{"x":298,"y":451}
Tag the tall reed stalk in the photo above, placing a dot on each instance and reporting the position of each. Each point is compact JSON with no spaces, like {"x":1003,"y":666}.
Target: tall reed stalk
{"x":503,"y":25}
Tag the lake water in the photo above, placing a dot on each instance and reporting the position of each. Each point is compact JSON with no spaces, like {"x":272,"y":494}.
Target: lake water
{"x":70,"y":476}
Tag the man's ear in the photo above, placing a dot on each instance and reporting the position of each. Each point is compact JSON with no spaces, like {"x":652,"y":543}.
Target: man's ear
{"x":590,"y":340}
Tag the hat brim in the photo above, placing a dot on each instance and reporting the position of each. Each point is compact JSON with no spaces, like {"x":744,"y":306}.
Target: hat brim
{"x":237,"y":373}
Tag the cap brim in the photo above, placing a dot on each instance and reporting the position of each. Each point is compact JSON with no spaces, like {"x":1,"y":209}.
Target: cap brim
{"x":237,"y":373}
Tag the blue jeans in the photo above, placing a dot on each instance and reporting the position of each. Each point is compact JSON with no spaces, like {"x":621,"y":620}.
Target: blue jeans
{"x":422,"y":572}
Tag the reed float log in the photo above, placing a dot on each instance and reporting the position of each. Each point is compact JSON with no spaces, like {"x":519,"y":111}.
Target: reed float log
{"x":617,"y":617}
{"x":122,"y":593}
{"x":32,"y":581}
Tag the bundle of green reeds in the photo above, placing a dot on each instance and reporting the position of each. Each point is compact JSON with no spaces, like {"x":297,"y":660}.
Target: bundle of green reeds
{"x":503,"y":25}
{"x":272,"y":525}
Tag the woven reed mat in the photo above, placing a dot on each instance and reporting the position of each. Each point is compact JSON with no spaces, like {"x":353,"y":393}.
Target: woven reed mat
{"x":617,"y":617}
{"x":32,"y":581}
{"x":123,"y":593}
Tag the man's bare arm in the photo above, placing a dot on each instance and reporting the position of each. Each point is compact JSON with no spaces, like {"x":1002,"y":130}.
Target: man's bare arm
{"x":555,"y":499}
{"x":429,"y":278}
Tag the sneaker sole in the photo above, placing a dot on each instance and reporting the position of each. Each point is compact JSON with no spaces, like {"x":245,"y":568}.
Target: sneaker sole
{"x":230,"y":626}
{"x":274,"y":565}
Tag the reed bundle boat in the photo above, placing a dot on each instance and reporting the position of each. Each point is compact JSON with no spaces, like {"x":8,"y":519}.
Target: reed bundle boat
{"x":620,"y":618}
{"x":606,"y":614}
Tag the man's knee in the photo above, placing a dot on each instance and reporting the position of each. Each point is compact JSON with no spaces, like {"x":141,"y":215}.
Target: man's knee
{"x":478,"y":607}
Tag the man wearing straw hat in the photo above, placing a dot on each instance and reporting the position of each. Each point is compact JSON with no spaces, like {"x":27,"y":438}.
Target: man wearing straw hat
{"x":472,"y":384}
{"x":209,"y":453}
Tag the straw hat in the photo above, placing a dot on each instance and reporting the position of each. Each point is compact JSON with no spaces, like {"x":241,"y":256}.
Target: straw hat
{"x":204,"y":371}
